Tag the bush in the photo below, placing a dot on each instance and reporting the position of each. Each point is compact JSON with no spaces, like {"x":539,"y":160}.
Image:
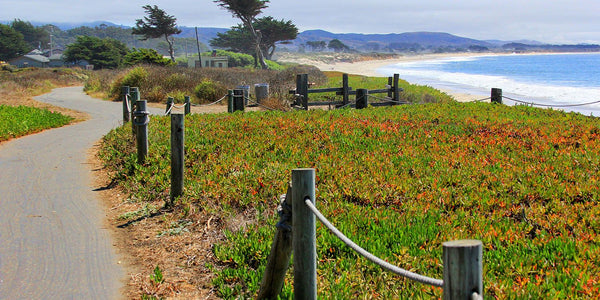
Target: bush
{"x":146,"y":56}
{"x":209,"y":91}
{"x":136,"y":77}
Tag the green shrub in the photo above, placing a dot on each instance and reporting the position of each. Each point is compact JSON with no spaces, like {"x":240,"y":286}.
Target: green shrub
{"x":209,"y":91}
{"x":136,"y":77}
{"x":146,"y":56}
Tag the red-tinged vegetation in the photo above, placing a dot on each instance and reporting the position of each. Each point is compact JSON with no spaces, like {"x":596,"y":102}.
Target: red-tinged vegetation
{"x":399,"y":181}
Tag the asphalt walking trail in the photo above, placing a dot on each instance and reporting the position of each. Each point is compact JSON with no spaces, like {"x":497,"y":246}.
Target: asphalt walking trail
{"x":53,"y":240}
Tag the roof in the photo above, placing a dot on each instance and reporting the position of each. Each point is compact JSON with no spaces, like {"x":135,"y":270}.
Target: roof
{"x":37,"y":57}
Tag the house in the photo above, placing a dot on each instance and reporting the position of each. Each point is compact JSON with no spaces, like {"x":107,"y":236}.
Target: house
{"x":209,"y":62}
{"x":39,"y":59}
{"x":30,"y":60}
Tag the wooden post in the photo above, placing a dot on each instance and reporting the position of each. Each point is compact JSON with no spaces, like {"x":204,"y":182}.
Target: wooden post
{"x":188,"y":105}
{"x":390,"y":84}
{"x":396,"y":88}
{"x":281,"y":252}
{"x":302,"y":89}
{"x":141,"y":122}
{"x":229,"y":101}
{"x":497,"y":95}
{"x":126,"y":105}
{"x":134,"y":97}
{"x":303,"y":235}
{"x":238,"y":100}
{"x":170,"y":102}
{"x":177,"y":156}
{"x":362,"y":98}
{"x":463,"y":269}
{"x":345,"y":90}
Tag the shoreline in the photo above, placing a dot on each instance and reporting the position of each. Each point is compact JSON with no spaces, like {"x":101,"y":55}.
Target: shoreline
{"x":370,"y":67}
{"x":341,"y":63}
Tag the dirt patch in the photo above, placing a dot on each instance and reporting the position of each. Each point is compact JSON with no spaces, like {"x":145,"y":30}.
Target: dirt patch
{"x":145,"y":242}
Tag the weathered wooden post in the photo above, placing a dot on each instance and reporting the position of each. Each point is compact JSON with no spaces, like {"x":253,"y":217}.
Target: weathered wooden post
{"x":170,"y":102}
{"x":345,"y":90}
{"x":304,"y":235}
{"x":177,"y":156}
{"x":396,"y":88}
{"x":238,"y":100}
{"x":390,"y":85}
{"x":188,"y":105}
{"x":141,"y":123}
{"x":281,"y":251}
{"x":362,"y":98}
{"x":463,"y":269}
{"x":134,"y":97}
{"x":126,"y":105}
{"x":302,"y":89}
{"x":229,"y":101}
{"x":497,"y":95}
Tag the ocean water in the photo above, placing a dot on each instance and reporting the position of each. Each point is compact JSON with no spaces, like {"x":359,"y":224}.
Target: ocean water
{"x":546,"y":79}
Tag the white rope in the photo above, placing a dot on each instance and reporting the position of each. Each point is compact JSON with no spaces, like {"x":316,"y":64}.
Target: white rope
{"x":551,"y":105}
{"x":169,"y":110}
{"x":210,"y":103}
{"x":382,"y":263}
{"x":128,"y":104}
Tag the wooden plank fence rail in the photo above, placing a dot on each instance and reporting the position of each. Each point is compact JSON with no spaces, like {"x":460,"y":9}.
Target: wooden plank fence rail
{"x":302,"y":92}
{"x":463,"y":259}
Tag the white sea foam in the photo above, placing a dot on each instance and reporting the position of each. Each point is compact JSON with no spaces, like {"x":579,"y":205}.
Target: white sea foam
{"x":424,"y":72}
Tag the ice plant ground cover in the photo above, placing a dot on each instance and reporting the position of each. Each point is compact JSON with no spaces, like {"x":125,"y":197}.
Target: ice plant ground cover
{"x":21,"y":120}
{"x":399,"y":181}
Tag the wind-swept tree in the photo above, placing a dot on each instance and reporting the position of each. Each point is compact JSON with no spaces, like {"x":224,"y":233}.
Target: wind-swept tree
{"x":240,"y":39}
{"x":157,"y":24}
{"x":246,"y":11}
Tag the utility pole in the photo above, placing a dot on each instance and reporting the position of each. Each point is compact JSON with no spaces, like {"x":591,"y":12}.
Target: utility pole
{"x":198,"y":45}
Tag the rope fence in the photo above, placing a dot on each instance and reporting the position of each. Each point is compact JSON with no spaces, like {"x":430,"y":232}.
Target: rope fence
{"x":462,"y":259}
{"x":550,"y":105}
{"x":209,"y":104}
{"x":378,"y":261}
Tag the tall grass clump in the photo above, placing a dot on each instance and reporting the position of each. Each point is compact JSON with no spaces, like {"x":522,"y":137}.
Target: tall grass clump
{"x":399,"y":181}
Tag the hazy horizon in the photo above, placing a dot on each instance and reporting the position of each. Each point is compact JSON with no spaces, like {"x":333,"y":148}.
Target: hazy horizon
{"x":556,"y":22}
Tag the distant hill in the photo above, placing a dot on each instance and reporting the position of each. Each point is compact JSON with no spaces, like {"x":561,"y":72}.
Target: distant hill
{"x":426,"y":39}
{"x":392,"y":42}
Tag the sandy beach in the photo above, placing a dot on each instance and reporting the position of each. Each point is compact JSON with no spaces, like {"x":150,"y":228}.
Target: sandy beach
{"x":340,"y":63}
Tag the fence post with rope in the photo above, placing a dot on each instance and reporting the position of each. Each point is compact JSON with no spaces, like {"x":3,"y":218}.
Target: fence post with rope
{"x":229,"y":101}
{"x":302,"y":89}
{"x":126,"y":106}
{"x":134,"y":97}
{"x":238,"y":100}
{"x":345,"y":90}
{"x":304,"y":235}
{"x":177,"y":156}
{"x":170,"y":102}
{"x":188,"y":105}
{"x":141,"y":123}
{"x":496,"y":95}
{"x":362,"y":98}
{"x":463,"y":266}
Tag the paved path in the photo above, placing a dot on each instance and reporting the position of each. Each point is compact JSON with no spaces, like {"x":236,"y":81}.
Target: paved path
{"x":53,"y":241}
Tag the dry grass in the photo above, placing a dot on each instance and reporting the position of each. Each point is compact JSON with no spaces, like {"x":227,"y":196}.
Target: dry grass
{"x":157,"y":83}
{"x":19,"y":88}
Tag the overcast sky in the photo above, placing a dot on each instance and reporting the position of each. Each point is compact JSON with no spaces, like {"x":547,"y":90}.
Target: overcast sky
{"x":551,"y":21}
